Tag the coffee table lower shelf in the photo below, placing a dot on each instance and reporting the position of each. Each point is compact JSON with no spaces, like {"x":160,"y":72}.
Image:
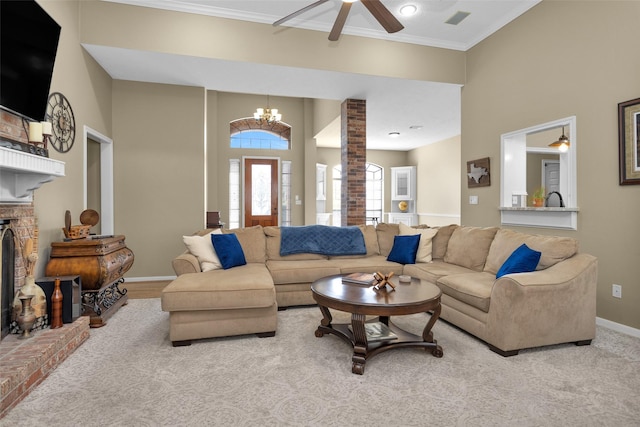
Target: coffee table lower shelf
{"x":363,"y":350}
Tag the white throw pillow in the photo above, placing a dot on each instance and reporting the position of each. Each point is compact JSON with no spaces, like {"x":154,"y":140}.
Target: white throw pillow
{"x":425,"y":246}
{"x":202,"y":248}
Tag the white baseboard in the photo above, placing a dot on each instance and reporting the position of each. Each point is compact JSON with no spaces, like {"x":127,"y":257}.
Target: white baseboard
{"x":149,"y":279}
{"x":618,"y":327}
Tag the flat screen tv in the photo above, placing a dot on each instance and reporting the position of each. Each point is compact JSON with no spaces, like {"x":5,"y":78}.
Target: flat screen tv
{"x":28,"y":45}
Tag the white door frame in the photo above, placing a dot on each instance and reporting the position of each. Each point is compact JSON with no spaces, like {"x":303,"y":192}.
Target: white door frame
{"x":106,"y":178}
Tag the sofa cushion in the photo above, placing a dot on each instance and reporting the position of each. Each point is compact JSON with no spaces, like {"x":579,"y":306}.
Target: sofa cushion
{"x":369,"y":264}
{"x":471,"y":288}
{"x":469,"y":246}
{"x":229,"y":250}
{"x":253,"y":242}
{"x":553,"y":248}
{"x":386,"y":233}
{"x":522,"y":260}
{"x":300,"y":271}
{"x":248,"y":286}
{"x":426,"y":237}
{"x":404,"y":249}
{"x":441,"y":240}
{"x":273,"y":236}
{"x":432,"y":271}
{"x":202,"y":248}
{"x":370,"y":241}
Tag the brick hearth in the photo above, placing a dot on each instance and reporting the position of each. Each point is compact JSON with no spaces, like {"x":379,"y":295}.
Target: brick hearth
{"x":26,"y":363}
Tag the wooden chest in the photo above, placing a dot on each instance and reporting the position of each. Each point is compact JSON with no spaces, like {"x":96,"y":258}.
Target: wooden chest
{"x":99,"y":261}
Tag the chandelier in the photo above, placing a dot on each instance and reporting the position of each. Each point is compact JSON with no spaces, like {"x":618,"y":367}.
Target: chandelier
{"x":268,"y":115}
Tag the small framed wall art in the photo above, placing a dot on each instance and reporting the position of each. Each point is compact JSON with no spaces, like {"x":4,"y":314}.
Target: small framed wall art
{"x":629,"y":140}
{"x":478,"y":173}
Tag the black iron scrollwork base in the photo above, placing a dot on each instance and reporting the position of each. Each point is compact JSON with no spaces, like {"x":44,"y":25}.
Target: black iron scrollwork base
{"x":104,"y":299}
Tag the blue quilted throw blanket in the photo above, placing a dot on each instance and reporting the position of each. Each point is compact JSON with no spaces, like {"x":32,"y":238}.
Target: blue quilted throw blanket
{"x":322,"y":239}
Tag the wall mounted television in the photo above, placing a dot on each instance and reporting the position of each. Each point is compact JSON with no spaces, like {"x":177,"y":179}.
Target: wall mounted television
{"x":28,"y":45}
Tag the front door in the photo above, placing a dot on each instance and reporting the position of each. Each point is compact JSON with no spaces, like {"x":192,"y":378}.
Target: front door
{"x":260,"y":192}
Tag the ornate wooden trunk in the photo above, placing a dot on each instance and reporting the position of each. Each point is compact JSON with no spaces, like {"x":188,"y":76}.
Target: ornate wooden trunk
{"x":101,"y":262}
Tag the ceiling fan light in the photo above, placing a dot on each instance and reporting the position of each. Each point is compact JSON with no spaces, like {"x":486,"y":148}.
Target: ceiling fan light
{"x":408,"y":10}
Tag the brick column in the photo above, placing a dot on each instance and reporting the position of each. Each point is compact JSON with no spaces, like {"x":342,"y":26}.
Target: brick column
{"x":353,"y":118}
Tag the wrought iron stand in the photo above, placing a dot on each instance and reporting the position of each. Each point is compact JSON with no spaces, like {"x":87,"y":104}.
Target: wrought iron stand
{"x":102,"y":303}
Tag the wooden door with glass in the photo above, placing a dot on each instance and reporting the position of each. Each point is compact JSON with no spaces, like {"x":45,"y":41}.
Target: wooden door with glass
{"x":260,"y":192}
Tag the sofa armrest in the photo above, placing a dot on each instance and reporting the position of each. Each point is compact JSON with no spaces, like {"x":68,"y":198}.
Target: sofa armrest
{"x":185,"y":263}
{"x":551,"y":306}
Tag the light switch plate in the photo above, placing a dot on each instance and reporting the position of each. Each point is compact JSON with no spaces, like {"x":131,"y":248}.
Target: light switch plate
{"x":473,"y":200}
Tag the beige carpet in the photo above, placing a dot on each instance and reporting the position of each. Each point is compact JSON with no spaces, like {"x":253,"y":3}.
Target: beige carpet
{"x":127,"y":374}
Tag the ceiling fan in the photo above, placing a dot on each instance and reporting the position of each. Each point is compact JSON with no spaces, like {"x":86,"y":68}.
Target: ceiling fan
{"x":375,"y":7}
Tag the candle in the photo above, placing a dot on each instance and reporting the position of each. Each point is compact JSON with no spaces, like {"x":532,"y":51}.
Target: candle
{"x":46,"y":128}
{"x":35,"y":132}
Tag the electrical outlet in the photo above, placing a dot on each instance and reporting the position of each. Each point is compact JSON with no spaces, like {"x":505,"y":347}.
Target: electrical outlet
{"x":616,"y":291}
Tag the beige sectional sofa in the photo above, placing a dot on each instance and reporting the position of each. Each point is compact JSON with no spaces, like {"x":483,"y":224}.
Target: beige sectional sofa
{"x":554,"y":304}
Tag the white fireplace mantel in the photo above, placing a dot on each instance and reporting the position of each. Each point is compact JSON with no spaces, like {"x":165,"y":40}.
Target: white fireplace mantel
{"x":21,"y":173}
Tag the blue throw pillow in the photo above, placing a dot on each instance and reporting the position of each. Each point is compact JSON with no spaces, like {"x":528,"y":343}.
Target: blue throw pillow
{"x":404,"y":249}
{"x":228,"y":249}
{"x":522,"y":260}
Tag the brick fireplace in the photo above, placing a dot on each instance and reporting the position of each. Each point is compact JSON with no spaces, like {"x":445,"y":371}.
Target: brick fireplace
{"x":26,"y":363}
{"x":20,"y":217}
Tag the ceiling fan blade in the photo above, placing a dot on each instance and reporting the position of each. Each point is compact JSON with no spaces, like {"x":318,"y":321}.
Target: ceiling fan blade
{"x":382,"y":14}
{"x":298,"y":12}
{"x":340,"y":20}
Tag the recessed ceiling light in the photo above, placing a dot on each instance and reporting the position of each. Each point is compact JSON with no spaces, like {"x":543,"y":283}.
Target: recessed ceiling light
{"x":408,"y":10}
{"x":416,"y":127}
{"x":394,"y":134}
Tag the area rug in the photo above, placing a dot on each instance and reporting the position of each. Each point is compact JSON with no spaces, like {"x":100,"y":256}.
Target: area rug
{"x":128,"y":374}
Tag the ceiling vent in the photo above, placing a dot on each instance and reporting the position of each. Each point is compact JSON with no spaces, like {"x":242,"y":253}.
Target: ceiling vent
{"x":457,"y":17}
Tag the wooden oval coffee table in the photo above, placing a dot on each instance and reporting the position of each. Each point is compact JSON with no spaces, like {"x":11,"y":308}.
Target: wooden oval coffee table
{"x":377,"y":335}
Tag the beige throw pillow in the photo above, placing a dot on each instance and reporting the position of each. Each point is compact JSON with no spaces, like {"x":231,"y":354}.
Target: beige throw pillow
{"x":202,"y":248}
{"x":468,"y":246}
{"x":426,"y":236}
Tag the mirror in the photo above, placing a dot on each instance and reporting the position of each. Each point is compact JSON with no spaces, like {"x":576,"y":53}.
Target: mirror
{"x":525,"y":156}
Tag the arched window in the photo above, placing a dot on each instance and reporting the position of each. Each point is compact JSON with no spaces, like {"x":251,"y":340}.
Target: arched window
{"x":374,"y":185}
{"x":248,"y":133}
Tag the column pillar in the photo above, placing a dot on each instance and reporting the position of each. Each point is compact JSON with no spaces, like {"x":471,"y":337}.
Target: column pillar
{"x":353,"y":119}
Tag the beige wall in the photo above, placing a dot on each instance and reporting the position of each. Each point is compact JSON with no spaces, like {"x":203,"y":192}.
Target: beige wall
{"x":226,"y":107}
{"x":438,"y":186}
{"x":557,"y":60}
{"x":159,"y":170}
{"x":88,"y":88}
{"x":210,"y":37}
